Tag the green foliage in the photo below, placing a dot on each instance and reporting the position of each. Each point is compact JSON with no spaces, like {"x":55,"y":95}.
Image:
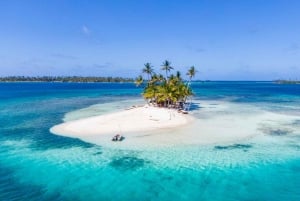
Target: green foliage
{"x":148,"y":69}
{"x":166,"y":66}
{"x":166,"y":91}
{"x":139,"y":80}
{"x":191,"y":72}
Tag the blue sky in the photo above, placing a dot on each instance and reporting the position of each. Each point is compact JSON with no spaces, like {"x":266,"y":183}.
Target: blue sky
{"x":225,"y":39}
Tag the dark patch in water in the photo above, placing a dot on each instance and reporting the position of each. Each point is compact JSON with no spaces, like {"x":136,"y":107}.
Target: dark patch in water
{"x":13,"y":189}
{"x":276,"y":131}
{"x":127,"y":163}
{"x":97,"y":153}
{"x":59,"y":142}
{"x":296,"y":122}
{"x":167,"y":178}
{"x":194,"y":106}
{"x":295,"y":167}
{"x":296,"y":146}
{"x":279,"y":132}
{"x":245,"y":147}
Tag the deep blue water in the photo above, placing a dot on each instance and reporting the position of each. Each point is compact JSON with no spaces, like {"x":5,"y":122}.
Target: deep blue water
{"x":37,"y":165}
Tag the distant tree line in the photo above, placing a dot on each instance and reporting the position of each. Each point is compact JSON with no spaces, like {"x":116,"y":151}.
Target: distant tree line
{"x":287,"y":81}
{"x":64,"y":79}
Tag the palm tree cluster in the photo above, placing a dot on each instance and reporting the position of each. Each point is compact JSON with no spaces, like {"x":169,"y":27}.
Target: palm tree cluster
{"x":165,"y":91}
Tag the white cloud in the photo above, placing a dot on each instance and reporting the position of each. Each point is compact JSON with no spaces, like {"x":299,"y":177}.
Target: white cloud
{"x":85,"y":30}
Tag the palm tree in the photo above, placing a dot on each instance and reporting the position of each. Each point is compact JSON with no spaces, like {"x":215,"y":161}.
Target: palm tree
{"x":166,"y":66}
{"x":148,"y":70}
{"x":139,"y":80}
{"x":178,"y":75}
{"x":191,"y":72}
{"x":150,"y":93}
{"x":154,"y":79}
{"x":166,"y":91}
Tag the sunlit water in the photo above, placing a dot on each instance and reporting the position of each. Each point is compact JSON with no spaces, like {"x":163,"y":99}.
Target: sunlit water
{"x":37,"y":165}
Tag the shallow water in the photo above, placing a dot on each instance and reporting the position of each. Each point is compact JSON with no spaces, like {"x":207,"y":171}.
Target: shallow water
{"x":37,"y":165}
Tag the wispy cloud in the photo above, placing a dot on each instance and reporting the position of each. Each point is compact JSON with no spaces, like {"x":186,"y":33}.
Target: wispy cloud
{"x":85,"y":30}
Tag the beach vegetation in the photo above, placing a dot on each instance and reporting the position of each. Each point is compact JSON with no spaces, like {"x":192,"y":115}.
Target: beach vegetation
{"x":170,"y":90}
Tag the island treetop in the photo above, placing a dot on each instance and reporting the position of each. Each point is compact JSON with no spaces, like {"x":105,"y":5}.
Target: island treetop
{"x":169,"y":90}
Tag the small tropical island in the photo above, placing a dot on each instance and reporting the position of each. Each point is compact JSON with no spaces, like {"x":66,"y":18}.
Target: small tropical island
{"x":287,"y":81}
{"x":166,"y":91}
{"x":166,"y":107}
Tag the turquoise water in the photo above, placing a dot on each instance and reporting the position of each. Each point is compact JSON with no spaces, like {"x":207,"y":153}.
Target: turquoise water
{"x":37,"y":165}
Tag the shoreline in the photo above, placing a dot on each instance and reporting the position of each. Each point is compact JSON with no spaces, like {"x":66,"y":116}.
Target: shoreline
{"x":217,"y":122}
{"x":130,"y":120}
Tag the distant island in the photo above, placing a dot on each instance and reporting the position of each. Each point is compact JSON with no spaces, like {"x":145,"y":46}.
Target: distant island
{"x":63,"y":79}
{"x":287,"y":81}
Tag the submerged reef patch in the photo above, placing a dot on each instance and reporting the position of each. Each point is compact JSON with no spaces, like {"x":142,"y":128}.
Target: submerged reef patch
{"x":279,"y":132}
{"x":296,"y":122}
{"x":244,"y":147}
{"x":127,"y":163}
{"x":97,"y":153}
{"x":275,"y":131}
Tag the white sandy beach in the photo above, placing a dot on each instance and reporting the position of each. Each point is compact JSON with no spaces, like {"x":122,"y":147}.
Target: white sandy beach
{"x":131,"y":120}
{"x":214,"y":122}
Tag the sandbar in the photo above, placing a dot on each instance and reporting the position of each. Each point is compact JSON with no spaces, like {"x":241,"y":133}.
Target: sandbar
{"x":130,"y":120}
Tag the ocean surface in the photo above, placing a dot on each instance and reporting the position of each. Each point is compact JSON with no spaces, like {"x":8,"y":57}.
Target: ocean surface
{"x":37,"y":165}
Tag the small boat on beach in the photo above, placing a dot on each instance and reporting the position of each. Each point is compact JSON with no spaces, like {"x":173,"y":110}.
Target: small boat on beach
{"x":118,"y":137}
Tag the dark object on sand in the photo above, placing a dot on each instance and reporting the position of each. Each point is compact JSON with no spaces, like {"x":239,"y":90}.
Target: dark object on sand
{"x":118,"y":138}
{"x":183,"y":111}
